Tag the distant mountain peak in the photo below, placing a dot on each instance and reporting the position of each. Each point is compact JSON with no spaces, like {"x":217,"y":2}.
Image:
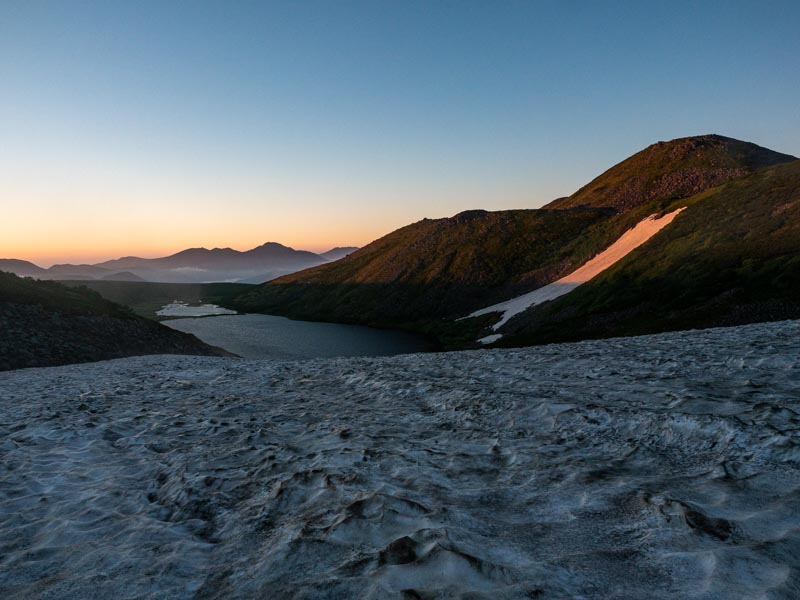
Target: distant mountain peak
{"x":271,"y":245}
{"x":338,"y":252}
{"x":20,"y":267}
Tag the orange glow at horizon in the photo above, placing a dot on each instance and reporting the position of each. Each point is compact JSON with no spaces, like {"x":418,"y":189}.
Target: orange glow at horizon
{"x":90,"y":247}
{"x":48,"y":230}
{"x":47,"y":235}
{"x":92,"y":208}
{"x":91,"y":219}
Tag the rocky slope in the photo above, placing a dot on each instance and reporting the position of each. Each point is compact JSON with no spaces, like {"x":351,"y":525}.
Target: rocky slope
{"x":658,"y":467}
{"x":45,"y":323}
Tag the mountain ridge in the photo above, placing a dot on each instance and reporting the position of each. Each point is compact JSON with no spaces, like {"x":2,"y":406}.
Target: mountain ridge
{"x":338,"y":253}
{"x":732,"y":259}
{"x":191,"y":265}
{"x":409,"y":273}
{"x":679,"y":168}
{"x":424,"y":275}
{"x":23,"y":268}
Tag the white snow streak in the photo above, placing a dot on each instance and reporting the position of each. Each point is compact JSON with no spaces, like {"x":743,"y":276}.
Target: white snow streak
{"x":182,"y":309}
{"x":630,"y":240}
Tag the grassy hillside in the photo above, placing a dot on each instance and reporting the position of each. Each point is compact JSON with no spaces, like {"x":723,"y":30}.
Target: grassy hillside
{"x":732,"y":257}
{"x":54,"y":296}
{"x":432,"y":269}
{"x":427,"y":274}
{"x":146,"y":298}
{"x":44,"y":323}
{"x":668,"y":170}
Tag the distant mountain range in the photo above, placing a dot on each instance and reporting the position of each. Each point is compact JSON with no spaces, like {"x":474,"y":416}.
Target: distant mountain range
{"x":739,"y":255}
{"x":194,"y":265}
{"x":337,"y":253}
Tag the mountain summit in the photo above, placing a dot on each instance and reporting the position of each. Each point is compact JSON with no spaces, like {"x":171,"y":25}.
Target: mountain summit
{"x":676,"y":169}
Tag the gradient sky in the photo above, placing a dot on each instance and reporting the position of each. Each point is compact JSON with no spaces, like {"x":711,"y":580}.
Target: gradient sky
{"x":144,"y":128}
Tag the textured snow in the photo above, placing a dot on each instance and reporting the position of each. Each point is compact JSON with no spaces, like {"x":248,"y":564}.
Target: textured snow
{"x":653,"y":467}
{"x":182,"y":309}
{"x":627,"y":243}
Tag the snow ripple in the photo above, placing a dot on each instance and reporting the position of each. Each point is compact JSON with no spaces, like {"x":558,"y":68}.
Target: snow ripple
{"x":660,"y":467}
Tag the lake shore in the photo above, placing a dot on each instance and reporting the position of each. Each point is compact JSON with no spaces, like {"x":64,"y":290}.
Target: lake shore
{"x":258,"y":336}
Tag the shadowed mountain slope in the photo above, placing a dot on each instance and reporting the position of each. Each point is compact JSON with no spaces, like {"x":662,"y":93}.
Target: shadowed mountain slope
{"x":732,"y":258}
{"x":146,"y":298}
{"x":44,"y":323}
{"x":446,"y":268}
{"x":431,"y":269}
{"x":676,"y":169}
{"x":122,"y":276}
{"x":68,"y":271}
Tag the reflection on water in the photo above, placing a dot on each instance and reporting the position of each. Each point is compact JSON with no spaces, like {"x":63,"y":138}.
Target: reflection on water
{"x":267,"y":336}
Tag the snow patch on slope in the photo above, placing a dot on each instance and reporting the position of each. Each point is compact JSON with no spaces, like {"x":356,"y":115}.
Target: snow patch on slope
{"x":630,"y":240}
{"x":182,"y":309}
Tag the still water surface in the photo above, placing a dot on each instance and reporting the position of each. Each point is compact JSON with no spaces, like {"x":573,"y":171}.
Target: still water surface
{"x":267,"y":336}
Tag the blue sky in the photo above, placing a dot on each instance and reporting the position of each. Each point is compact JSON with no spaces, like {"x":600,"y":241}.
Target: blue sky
{"x":143,"y":128}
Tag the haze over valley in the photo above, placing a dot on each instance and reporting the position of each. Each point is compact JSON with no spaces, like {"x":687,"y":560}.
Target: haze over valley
{"x":194,"y":265}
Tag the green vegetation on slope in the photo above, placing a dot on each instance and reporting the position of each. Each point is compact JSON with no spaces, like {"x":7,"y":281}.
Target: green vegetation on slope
{"x":146,"y":298}
{"x":676,"y":169}
{"x":431,"y":269}
{"x":423,"y":276}
{"x":44,"y":323}
{"x":732,"y":257}
{"x":55,"y":296}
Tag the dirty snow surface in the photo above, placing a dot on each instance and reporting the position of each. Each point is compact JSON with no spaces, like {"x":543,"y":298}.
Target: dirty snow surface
{"x":654,"y":467}
{"x":182,"y":309}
